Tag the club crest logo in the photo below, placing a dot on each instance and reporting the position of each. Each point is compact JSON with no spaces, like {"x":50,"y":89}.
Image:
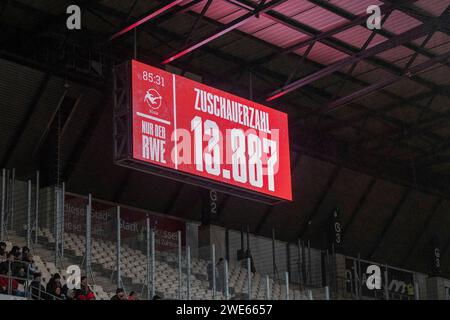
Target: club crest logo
{"x":153,"y":99}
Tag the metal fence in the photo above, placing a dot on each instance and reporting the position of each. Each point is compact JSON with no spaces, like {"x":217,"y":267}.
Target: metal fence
{"x":116,"y":247}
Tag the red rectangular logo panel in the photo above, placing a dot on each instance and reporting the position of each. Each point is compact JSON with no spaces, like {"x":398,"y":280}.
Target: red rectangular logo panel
{"x":187,"y":126}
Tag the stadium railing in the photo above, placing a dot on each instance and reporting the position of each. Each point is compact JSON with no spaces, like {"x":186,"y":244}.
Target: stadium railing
{"x":131,"y":254}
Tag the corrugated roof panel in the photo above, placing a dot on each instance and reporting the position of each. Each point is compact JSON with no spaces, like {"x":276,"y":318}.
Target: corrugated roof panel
{"x":440,"y":75}
{"x":399,"y":22}
{"x":434,"y":7}
{"x":291,"y":8}
{"x":323,"y":54}
{"x":319,"y":18}
{"x":80,"y":117}
{"x":406,"y":88}
{"x":94,"y":23}
{"x":284,"y":64}
{"x":18,"y":85}
{"x":39,"y":119}
{"x":402,"y":233}
{"x":437,"y":39}
{"x":237,"y":13}
{"x":220,"y":10}
{"x":373,"y":216}
{"x":405,"y":114}
{"x":50,"y":6}
{"x":139,"y":9}
{"x":13,"y":16}
{"x":395,"y":54}
{"x":256,"y":24}
{"x":374,"y":101}
{"x":361,"y":68}
{"x":401,"y":63}
{"x":249,"y":51}
{"x":355,"y":7}
{"x":374,"y":75}
{"x":183,"y":23}
{"x":184,"y":2}
{"x":444,"y":48}
{"x":439,"y":103}
{"x":443,"y":132}
{"x":280,"y":35}
{"x":357,"y":36}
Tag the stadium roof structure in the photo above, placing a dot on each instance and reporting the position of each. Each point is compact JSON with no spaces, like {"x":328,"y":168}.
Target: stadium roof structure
{"x":369,"y":110}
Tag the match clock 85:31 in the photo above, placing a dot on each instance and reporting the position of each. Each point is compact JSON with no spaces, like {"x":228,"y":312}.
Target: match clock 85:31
{"x":153,"y":78}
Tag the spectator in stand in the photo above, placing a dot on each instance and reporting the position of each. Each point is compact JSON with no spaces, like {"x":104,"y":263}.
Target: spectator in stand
{"x":5,"y":280}
{"x":30,"y":267}
{"x":53,"y":284}
{"x":18,"y":263}
{"x":2,"y":251}
{"x":21,"y":275}
{"x":7,"y":264}
{"x":133,"y":296}
{"x":156,"y":297}
{"x":37,"y":290}
{"x":66,"y":293}
{"x":58,"y":294}
{"x":25,"y":254}
{"x":15,"y":251}
{"x":120,"y":295}
{"x":84,"y":293}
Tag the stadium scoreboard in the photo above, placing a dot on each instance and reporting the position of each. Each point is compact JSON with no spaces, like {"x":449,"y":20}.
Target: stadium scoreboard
{"x":185,"y":130}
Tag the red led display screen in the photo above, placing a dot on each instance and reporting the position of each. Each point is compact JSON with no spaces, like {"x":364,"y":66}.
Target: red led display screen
{"x":194,"y":129}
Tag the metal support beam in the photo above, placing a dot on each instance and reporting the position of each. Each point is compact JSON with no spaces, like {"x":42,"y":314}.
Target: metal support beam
{"x":434,"y":160}
{"x":400,"y":39}
{"x":46,"y":22}
{"x":433,"y":121}
{"x":49,"y":123}
{"x":438,"y":204}
{"x":359,"y":205}
{"x":333,"y":105}
{"x":2,"y":217}
{"x":335,"y":43}
{"x":389,"y":222}
{"x":148,"y":257}
{"x":88,"y":241}
{"x":87,"y":132}
{"x":208,"y":50}
{"x":430,"y":155}
{"x":188,"y":273}
{"x":180,"y":267}
{"x":118,"y":245}
{"x":12,"y":199}
{"x":172,"y":201}
{"x":197,"y":21}
{"x":14,"y":142}
{"x":122,"y":186}
{"x":331,"y":179}
{"x":270,"y":209}
{"x":36,"y":209}
{"x":146,"y":17}
{"x":220,"y":55}
{"x":224,"y":30}
{"x":327,"y":5}
{"x":357,"y":20}
{"x":29,"y":215}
